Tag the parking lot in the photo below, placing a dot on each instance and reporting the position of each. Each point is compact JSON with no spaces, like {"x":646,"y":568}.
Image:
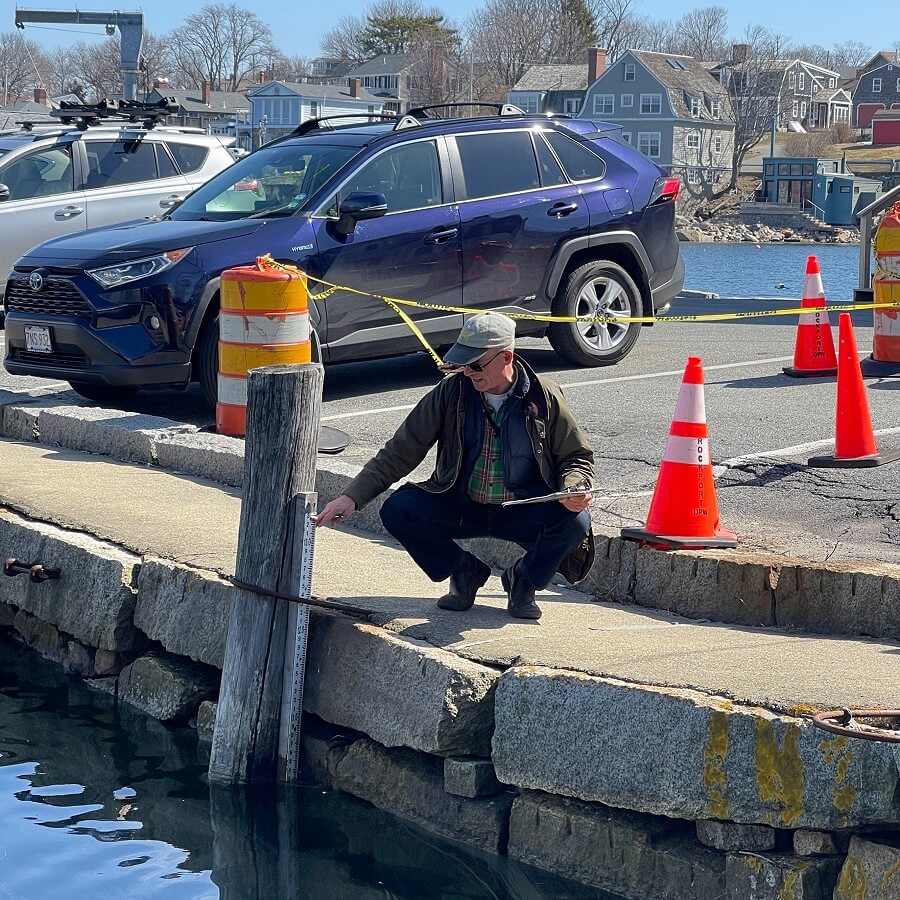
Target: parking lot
{"x":763,"y":426}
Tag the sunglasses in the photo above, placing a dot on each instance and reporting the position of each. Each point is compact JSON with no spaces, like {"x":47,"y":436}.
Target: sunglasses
{"x":475,"y":367}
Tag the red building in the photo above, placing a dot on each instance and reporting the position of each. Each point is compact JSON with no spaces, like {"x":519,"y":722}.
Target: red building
{"x":886,"y":127}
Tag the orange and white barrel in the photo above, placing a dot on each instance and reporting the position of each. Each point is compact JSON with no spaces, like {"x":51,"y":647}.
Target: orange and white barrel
{"x":886,"y":341}
{"x":263,"y":321}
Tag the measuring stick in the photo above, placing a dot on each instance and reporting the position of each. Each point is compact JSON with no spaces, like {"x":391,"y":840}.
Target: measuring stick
{"x":296,"y":636}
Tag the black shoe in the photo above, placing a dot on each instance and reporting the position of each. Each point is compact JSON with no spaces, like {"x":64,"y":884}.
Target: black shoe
{"x":470,"y":575}
{"x":521,"y":594}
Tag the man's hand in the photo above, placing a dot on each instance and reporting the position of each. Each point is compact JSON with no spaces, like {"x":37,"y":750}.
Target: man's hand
{"x":336,"y":511}
{"x":576,"y":503}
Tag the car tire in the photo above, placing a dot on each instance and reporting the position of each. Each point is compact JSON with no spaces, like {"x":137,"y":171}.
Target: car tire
{"x":591,"y":290}
{"x":102,"y":393}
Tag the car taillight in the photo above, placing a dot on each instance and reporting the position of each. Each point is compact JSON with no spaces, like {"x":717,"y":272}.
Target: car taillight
{"x":665,"y":189}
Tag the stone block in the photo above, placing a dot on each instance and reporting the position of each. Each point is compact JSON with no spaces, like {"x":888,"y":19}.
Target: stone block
{"x":206,"y":721}
{"x":839,"y":600}
{"x":122,"y":435}
{"x":411,"y":785}
{"x":871,"y":870}
{"x":731,"y":836}
{"x":79,"y":659}
{"x":589,"y":737}
{"x":93,"y":600}
{"x":40,"y":636}
{"x":214,"y":456}
{"x":815,"y":843}
{"x":108,"y":662}
{"x":703,"y":585}
{"x":630,"y":854}
{"x":165,"y":687}
{"x":401,"y":692}
{"x":775,"y":876}
{"x":185,"y":609}
{"x":468,"y":777}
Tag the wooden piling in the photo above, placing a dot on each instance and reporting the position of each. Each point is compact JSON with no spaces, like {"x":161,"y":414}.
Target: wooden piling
{"x":283,"y":407}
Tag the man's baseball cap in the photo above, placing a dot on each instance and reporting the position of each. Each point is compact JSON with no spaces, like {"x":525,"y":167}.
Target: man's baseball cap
{"x":482,"y":332}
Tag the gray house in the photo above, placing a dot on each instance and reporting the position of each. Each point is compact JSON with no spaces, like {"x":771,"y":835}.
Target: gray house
{"x":671,"y":109}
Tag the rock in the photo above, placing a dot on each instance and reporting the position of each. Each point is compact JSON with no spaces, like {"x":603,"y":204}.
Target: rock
{"x":108,"y":662}
{"x":7,"y":615}
{"x":468,"y":777}
{"x":79,"y":659}
{"x":589,"y":737}
{"x":185,"y":609}
{"x":206,"y":721}
{"x":110,"y":432}
{"x":402,"y":692}
{"x":871,"y":870}
{"x":630,"y":854}
{"x":93,"y":600}
{"x":40,"y":636}
{"x":411,"y":785}
{"x":755,"y":876}
{"x":164,"y":687}
{"x":730,"y":836}
{"x":814,"y":843}
{"x":213,"y":456}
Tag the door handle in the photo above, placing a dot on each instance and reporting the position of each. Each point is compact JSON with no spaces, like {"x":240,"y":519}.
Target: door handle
{"x":171,"y":200}
{"x":441,"y":235}
{"x":562,"y":209}
{"x":68,"y":212}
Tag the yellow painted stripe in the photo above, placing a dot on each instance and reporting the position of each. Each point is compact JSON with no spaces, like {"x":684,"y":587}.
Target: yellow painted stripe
{"x":238,"y":359}
{"x":284,"y":328}
{"x":264,"y":295}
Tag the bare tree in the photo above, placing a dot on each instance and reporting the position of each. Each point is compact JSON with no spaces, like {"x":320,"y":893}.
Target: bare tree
{"x":703,"y":33}
{"x":851,"y":53}
{"x":17,"y":71}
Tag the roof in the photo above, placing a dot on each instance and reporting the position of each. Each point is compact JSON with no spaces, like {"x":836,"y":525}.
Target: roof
{"x":191,"y":100}
{"x":684,"y":77}
{"x":553,"y":78}
{"x":386,"y":64}
{"x":325,"y":91}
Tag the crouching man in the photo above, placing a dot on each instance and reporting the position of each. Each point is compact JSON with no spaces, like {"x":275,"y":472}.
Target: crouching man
{"x":502,"y":433}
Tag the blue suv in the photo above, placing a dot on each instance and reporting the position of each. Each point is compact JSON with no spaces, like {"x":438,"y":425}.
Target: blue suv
{"x":511,"y":211}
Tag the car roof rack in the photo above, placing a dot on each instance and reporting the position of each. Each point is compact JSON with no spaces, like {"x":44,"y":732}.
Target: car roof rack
{"x":83,"y":115}
{"x":312,"y":125}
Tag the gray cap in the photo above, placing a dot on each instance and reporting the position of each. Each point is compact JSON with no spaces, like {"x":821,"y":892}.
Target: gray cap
{"x":482,"y":332}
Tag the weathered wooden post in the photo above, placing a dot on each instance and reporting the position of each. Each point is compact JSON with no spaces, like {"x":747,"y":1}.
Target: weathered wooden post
{"x":283,"y":407}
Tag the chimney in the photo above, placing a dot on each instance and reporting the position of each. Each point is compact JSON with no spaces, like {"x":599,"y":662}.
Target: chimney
{"x":355,"y":87}
{"x":160,"y":84}
{"x":40,"y":95}
{"x":596,"y":63}
{"x":740,"y":53}
{"x":205,"y":92}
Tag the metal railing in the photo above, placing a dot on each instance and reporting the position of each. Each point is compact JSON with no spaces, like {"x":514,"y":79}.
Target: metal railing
{"x":863,"y":291}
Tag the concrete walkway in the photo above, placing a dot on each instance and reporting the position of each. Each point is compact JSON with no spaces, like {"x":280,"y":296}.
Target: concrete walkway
{"x":195,"y":522}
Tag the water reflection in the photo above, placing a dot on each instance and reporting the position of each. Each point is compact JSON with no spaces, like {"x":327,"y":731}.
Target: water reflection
{"x":98,"y":801}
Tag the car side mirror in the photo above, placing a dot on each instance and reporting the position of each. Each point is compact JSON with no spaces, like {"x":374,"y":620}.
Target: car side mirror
{"x":358,"y":207}
{"x":4,"y":193}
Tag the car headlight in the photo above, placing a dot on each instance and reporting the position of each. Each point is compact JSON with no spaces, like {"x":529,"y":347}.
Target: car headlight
{"x":113,"y":276}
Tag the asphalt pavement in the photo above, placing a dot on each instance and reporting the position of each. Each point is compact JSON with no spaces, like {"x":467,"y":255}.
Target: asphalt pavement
{"x":763,"y":427}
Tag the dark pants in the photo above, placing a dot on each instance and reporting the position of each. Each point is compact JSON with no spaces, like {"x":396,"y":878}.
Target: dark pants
{"x":427,"y":525}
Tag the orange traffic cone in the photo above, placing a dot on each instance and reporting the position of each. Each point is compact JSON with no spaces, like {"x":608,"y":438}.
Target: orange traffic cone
{"x":684,"y":512}
{"x":854,"y":440}
{"x":814,"y":347}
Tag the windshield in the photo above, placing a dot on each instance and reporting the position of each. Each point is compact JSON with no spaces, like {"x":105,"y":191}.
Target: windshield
{"x":273,"y":181}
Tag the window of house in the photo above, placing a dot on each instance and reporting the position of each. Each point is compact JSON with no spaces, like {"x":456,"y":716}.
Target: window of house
{"x":112,"y":163}
{"x":695,"y":107}
{"x":692,"y":140}
{"x":40,"y":174}
{"x":651,"y":104}
{"x":603,"y":104}
{"x":876,"y":85}
{"x":629,"y":72}
{"x":551,"y":173}
{"x":483,"y":177}
{"x":577,"y":160}
{"x":718,"y":143}
{"x":649,"y":143}
{"x":626,"y":101}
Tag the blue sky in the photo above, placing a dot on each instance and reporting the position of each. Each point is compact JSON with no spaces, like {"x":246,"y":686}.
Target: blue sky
{"x":299,"y":25}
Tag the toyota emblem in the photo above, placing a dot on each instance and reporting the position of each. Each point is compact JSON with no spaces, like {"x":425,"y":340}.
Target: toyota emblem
{"x":36,"y":281}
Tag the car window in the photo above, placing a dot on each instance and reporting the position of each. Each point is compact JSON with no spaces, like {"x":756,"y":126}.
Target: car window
{"x":189,"y":157}
{"x":497,"y":163}
{"x":164,"y":162}
{"x":577,"y":160}
{"x":551,"y":173}
{"x":409,"y":176}
{"x":40,"y":174}
{"x":112,"y":163}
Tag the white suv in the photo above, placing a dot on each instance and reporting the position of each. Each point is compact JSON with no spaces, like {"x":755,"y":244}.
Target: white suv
{"x":55,"y":181}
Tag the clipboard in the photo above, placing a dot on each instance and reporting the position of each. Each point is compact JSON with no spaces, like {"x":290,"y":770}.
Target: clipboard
{"x":546,"y":498}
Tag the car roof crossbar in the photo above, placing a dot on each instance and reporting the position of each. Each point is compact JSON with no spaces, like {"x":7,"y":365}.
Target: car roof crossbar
{"x":83,"y":115}
{"x":311,"y":125}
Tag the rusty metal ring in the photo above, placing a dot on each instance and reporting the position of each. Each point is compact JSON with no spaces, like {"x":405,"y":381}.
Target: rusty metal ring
{"x":843,"y":722}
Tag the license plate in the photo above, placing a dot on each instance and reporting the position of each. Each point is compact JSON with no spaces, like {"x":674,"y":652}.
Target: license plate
{"x":37,"y":339}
